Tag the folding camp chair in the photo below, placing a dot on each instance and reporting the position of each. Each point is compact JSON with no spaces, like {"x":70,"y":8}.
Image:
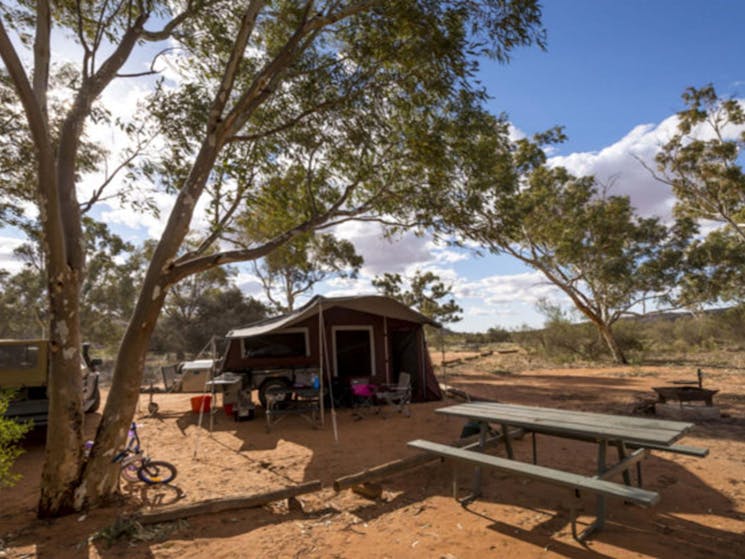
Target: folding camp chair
{"x":362,"y":395}
{"x":397,"y":394}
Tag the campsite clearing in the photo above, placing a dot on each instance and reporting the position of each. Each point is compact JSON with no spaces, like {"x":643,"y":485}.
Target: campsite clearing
{"x":701,"y":514}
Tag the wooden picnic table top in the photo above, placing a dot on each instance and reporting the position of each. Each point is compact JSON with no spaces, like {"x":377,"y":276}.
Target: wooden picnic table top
{"x":569,"y":423}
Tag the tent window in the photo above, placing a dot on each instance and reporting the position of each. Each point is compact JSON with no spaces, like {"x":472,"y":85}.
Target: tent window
{"x":282,"y":344}
{"x":353,"y":351}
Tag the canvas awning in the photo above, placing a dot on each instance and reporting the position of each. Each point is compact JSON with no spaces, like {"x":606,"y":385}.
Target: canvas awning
{"x":372,"y":304}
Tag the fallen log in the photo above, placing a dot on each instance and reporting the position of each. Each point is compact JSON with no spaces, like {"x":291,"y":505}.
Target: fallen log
{"x":226,"y":503}
{"x":383,"y":471}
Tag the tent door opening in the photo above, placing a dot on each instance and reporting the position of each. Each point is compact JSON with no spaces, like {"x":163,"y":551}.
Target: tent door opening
{"x":353,"y":351}
{"x":404,"y":355}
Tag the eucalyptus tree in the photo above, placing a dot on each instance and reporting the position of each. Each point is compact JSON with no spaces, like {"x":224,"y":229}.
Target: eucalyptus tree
{"x":294,"y":268}
{"x":592,"y":246}
{"x":250,"y":74}
{"x":702,"y":163}
{"x":427,"y":293}
{"x":107,"y":291}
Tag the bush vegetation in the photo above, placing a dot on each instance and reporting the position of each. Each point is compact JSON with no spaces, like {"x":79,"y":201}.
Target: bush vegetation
{"x":673,"y":334}
{"x":11,"y":432}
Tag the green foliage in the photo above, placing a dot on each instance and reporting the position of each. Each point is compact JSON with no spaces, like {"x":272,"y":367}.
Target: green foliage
{"x":701,"y":160}
{"x":565,"y":341}
{"x":493,"y":335}
{"x":107,"y":292}
{"x":294,"y":268}
{"x":426,"y":293}
{"x":11,"y":432}
{"x":702,"y":163}
{"x":591,"y":245}
{"x":200,"y":307}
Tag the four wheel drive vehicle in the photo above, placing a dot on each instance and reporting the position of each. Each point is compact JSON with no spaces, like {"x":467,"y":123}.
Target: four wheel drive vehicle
{"x":24,"y":369}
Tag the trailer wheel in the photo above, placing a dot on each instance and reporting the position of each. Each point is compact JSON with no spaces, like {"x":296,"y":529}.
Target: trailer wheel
{"x":272,"y":383}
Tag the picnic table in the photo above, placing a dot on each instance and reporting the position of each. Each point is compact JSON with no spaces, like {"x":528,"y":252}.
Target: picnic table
{"x":633,"y":438}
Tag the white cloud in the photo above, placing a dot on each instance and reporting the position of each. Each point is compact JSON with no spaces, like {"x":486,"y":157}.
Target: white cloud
{"x":620,"y":165}
{"x":8,"y":260}
{"x":496,"y":290}
{"x":385,"y":255}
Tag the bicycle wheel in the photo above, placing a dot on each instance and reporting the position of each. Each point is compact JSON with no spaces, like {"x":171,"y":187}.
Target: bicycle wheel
{"x":156,"y":472}
{"x":129,"y":470}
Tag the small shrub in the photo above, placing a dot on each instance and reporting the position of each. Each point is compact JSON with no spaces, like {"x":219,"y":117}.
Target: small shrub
{"x":11,"y":432}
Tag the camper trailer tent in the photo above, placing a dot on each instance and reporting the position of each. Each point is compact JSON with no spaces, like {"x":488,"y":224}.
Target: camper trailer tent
{"x":371,"y":337}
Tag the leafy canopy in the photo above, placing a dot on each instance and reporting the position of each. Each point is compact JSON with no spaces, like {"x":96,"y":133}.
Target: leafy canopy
{"x":702,"y":163}
{"x":427,"y":294}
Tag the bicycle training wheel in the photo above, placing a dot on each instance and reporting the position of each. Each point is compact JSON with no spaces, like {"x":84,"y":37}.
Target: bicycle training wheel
{"x":156,"y":472}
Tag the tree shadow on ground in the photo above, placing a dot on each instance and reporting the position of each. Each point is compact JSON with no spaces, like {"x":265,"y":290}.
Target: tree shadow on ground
{"x":542,"y":520}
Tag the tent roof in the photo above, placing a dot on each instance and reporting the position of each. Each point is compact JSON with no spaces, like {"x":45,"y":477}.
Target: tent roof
{"x":372,"y":304}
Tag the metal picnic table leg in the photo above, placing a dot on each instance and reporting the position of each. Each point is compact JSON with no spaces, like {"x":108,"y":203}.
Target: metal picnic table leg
{"x":600,"y":500}
{"x":535,"y":449}
{"x":476,"y":488}
{"x":507,"y":441}
{"x":621,"y":446}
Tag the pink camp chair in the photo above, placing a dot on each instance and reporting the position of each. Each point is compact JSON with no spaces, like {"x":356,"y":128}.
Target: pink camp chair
{"x":363,"y":393}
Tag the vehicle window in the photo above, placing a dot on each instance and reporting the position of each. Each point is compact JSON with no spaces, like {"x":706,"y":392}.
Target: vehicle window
{"x":19,"y":356}
{"x":287,"y":344}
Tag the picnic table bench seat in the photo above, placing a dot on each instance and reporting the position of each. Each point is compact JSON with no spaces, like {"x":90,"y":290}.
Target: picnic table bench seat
{"x":578,"y":482}
{"x":675,"y":448}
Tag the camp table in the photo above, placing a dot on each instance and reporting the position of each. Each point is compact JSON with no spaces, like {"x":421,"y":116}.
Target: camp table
{"x":303,"y":401}
{"x":622,"y":432}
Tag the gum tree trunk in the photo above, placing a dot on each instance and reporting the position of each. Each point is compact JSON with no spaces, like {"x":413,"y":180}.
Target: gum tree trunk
{"x":610,"y":340}
{"x":63,"y":449}
{"x":99,"y":479}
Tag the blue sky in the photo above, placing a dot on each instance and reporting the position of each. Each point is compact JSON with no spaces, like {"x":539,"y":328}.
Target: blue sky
{"x":611,"y":65}
{"x":612,"y":74}
{"x":609,"y":68}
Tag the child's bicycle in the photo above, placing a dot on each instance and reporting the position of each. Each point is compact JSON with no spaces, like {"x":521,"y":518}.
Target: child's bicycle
{"x":136,"y":466}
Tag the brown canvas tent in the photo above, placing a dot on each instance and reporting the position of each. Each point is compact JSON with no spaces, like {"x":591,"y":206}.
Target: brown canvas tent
{"x":362,"y":336}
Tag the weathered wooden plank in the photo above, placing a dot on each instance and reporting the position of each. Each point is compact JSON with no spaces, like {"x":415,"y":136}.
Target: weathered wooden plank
{"x":677,"y":449}
{"x":574,"y":430}
{"x":227,"y":503}
{"x":577,"y":424}
{"x":384,"y":471}
{"x":550,"y":475}
{"x":582,"y":416}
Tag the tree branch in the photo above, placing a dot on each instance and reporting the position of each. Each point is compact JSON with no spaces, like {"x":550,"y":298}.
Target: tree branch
{"x":165,"y":33}
{"x":97,"y":194}
{"x":41,"y":56}
{"x":248,"y":22}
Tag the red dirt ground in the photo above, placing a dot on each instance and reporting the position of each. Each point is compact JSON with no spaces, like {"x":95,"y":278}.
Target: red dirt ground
{"x":701,"y":513}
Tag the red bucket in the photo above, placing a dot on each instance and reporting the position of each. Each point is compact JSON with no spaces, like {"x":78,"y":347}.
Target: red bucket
{"x":198,"y":401}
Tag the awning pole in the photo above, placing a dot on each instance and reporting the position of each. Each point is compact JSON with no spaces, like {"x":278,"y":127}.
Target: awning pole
{"x":385,"y":349}
{"x":320,"y":357}
{"x":331,"y":389}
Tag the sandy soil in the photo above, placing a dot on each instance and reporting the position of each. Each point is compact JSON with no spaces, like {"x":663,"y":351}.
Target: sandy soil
{"x":701,"y":513}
